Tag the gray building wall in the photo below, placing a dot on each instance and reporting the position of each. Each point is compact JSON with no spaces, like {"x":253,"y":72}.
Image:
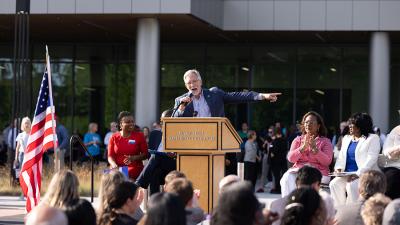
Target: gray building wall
{"x":316,"y":15}
{"x":242,"y":15}
{"x":101,"y":6}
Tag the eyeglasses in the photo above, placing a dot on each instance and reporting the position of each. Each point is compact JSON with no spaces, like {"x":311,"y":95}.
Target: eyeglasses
{"x":192,"y":82}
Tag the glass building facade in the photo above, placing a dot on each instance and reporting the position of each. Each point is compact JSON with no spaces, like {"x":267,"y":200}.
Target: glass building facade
{"x":93,"y":82}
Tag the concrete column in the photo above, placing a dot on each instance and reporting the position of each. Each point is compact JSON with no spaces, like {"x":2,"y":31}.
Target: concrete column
{"x":379,"y":80}
{"x":147,"y":71}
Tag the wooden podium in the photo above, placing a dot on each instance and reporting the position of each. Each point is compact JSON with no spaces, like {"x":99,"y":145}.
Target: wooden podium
{"x":201,"y":144}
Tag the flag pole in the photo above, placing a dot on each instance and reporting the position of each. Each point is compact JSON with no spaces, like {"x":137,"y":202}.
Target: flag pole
{"x":53,"y":123}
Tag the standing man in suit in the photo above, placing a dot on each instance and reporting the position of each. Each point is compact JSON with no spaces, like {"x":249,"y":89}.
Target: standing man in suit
{"x":199,"y":102}
{"x":155,"y":137}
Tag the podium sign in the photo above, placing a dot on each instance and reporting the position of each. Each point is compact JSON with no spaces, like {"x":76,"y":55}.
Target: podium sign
{"x":201,"y":144}
{"x":189,"y":136}
{"x":200,"y":135}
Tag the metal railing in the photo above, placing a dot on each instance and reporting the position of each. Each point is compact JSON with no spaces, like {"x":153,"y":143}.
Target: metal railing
{"x":71,"y":146}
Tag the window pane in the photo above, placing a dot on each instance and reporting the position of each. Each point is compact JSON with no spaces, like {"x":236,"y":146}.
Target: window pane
{"x":82,"y":97}
{"x":273,"y":78}
{"x":318,"y":89}
{"x":6,"y":89}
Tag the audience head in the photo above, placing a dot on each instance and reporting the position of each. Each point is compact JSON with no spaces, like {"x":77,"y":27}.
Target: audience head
{"x":304,"y":207}
{"x":183,"y":188}
{"x":113,"y":126}
{"x":93,"y":127}
{"x":166,"y":113}
{"x":43,"y":214}
{"x":64,"y":189}
{"x":107,"y":184}
{"x":237,"y":205}
{"x":26,"y":124}
{"x":80,"y":212}
{"x":226,"y":181}
{"x":245,"y":126}
{"x":156,"y":125}
{"x":313,"y":122}
{"x":126,"y":121}
{"x":126,"y":193}
{"x":377,"y":130}
{"x":345,"y":131}
{"x":309,"y":176}
{"x":173,"y":175}
{"x":165,"y":209}
{"x":343,"y":125}
{"x":371,"y":182}
{"x":146,"y":131}
{"x":125,"y":197}
{"x":391,"y":216}
{"x":362,"y":123}
{"x":372,"y":212}
{"x":393,"y":183}
{"x":251,"y":135}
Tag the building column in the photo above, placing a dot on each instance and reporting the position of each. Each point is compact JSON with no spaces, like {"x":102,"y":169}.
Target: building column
{"x":147,"y":71}
{"x":379,"y":79}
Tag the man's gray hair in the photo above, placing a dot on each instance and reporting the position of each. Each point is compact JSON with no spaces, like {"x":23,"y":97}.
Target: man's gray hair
{"x":193,"y":71}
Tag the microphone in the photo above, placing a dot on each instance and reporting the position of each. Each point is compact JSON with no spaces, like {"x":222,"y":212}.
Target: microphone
{"x":181,"y":103}
{"x":185,"y":103}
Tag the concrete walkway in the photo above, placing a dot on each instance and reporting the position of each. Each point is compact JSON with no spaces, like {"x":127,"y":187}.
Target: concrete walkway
{"x":12,"y":210}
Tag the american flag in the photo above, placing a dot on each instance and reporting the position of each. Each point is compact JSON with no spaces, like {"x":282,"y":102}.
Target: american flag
{"x":41,"y":138}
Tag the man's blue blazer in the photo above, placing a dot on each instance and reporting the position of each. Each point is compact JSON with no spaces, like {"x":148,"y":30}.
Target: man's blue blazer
{"x":216,"y":98}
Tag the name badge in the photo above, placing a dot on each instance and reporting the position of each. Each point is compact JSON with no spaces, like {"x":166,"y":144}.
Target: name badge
{"x":131,"y":142}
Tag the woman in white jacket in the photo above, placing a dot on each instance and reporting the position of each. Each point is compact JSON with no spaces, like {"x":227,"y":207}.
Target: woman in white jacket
{"x":391,"y":149}
{"x":359,"y":153}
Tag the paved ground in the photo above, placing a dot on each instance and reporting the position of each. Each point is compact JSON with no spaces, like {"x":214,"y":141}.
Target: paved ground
{"x":12,"y":210}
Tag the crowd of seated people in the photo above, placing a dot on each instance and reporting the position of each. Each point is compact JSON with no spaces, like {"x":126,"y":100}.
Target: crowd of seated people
{"x":363,"y":190}
{"x":120,"y":200}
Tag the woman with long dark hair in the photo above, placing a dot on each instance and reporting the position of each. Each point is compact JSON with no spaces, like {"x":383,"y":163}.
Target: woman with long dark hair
{"x":165,"y":209}
{"x":304,"y":207}
{"x":123,"y":202}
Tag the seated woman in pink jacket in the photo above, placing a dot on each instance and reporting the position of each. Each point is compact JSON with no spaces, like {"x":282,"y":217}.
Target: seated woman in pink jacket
{"x":311,"y":148}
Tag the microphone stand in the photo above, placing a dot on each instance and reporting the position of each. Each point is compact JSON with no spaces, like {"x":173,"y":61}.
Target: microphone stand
{"x":176,"y":109}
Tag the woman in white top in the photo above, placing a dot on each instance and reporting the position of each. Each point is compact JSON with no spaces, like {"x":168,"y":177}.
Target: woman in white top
{"x":22,"y":142}
{"x":391,"y":149}
{"x":359,"y":153}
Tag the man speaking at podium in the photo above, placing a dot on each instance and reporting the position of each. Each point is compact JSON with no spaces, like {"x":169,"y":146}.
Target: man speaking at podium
{"x":199,"y":102}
